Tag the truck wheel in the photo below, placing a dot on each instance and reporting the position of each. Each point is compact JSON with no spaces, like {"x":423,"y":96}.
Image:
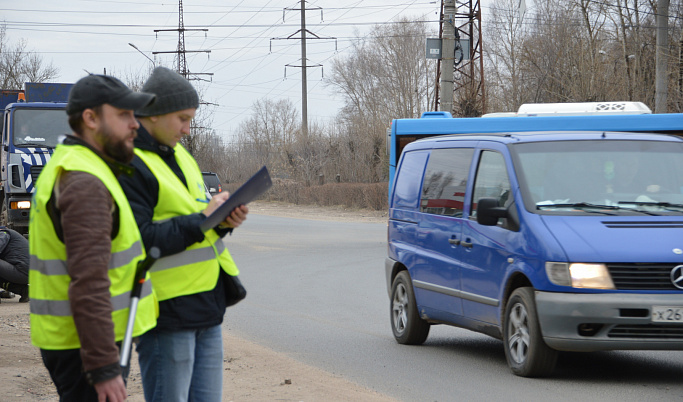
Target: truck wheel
{"x":525,"y":351}
{"x":408,"y":327}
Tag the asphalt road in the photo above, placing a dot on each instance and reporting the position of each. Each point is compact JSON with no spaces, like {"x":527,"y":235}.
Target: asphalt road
{"x":316,"y":291}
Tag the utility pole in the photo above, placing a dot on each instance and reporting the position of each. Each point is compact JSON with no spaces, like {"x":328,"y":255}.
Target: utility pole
{"x":461,"y":69}
{"x":182,"y":69}
{"x":661,"y":84}
{"x":680,"y":68}
{"x":447,"y":55}
{"x":469,"y":75}
{"x":304,"y":81}
{"x":180,"y":52}
{"x":304,"y":84}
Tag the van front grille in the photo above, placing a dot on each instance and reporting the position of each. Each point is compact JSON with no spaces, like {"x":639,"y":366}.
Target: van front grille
{"x":642,"y":276}
{"x":648,"y":331}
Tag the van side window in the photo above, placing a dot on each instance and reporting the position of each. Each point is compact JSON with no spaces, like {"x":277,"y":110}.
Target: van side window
{"x":491,"y":180}
{"x":445,"y":181}
{"x":407,"y":185}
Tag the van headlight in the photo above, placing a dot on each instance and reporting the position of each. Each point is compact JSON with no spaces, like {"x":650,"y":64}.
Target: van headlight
{"x":579,"y":275}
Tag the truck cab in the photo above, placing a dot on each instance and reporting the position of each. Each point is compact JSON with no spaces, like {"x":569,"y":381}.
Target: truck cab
{"x":30,"y":132}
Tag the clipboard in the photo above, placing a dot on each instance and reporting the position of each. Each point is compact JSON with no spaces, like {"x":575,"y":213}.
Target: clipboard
{"x":252,"y":188}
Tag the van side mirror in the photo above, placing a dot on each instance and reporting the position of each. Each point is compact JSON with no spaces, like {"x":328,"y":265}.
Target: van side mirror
{"x":488,"y":211}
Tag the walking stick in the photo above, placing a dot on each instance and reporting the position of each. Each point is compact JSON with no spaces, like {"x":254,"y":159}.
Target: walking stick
{"x":140,"y":273}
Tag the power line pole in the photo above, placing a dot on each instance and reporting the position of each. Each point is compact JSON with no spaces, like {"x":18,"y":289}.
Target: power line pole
{"x":304,"y":66}
{"x":661,"y":84}
{"x":462,"y":64}
{"x":304,"y":81}
{"x":469,"y":73}
{"x":180,"y":60}
{"x":447,"y":55}
{"x":180,"y":52}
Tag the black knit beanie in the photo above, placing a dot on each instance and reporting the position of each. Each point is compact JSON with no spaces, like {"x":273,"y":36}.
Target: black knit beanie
{"x":173,"y":93}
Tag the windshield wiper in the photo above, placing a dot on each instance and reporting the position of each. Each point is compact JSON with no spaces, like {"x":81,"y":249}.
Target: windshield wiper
{"x":597,"y":208}
{"x":33,"y":145}
{"x":583,"y":206}
{"x":654,"y":204}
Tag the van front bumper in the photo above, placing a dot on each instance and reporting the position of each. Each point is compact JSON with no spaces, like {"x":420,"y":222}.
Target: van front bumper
{"x":615,"y":321}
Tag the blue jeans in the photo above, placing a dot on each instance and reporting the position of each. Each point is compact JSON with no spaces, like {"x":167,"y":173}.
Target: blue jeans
{"x":184,"y":365}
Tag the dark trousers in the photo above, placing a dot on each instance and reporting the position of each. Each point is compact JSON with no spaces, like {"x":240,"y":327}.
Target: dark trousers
{"x":11,"y":273}
{"x":66,"y":371}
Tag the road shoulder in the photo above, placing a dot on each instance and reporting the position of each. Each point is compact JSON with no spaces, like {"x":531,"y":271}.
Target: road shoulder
{"x":251,"y":372}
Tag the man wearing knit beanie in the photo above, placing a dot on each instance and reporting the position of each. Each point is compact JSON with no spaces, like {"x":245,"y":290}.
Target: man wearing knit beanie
{"x":182,"y":358}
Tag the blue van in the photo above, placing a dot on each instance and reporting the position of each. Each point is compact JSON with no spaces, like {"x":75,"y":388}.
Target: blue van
{"x":550,"y":241}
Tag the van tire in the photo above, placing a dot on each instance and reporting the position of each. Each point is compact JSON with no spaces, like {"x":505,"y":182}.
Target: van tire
{"x":526,"y":352}
{"x":408,"y":327}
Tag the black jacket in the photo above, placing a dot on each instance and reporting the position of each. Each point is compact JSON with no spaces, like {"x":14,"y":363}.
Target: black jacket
{"x":14,"y":249}
{"x":199,"y":310}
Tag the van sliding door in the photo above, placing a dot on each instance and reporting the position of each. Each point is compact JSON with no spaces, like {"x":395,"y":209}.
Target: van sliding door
{"x":436,"y":275}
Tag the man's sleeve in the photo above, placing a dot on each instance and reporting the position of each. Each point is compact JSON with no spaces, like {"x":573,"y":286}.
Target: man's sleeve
{"x":86,"y":212}
{"x":4,"y":240}
{"x":171,"y":236}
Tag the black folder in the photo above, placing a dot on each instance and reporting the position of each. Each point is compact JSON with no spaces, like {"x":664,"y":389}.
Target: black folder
{"x":252,"y":188}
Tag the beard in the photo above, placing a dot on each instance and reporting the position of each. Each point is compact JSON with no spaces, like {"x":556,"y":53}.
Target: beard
{"x":118,"y":149}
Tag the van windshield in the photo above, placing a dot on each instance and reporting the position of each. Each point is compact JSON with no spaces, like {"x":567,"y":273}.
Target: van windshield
{"x":602,"y":176}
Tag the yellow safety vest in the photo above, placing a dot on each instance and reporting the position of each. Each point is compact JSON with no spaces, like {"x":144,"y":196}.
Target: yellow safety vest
{"x":52,"y":324}
{"x":196,"y":269}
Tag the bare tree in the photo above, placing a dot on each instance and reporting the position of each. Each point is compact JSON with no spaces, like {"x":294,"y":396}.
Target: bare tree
{"x":578,"y":51}
{"x":19,"y":65}
{"x":503,"y":54}
{"x":268,"y":137}
{"x":385,"y":76}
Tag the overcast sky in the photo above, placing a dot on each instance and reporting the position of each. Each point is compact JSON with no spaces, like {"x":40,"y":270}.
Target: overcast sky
{"x":247,"y":64}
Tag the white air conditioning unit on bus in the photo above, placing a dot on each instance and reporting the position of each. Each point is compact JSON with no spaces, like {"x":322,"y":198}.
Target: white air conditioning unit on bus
{"x":582,"y":109}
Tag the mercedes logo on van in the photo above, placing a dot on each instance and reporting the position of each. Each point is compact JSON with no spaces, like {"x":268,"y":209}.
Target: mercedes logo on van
{"x":677,"y":276}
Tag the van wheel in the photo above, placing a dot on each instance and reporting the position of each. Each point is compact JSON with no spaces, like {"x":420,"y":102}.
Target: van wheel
{"x":525,"y":351}
{"x":408,"y":327}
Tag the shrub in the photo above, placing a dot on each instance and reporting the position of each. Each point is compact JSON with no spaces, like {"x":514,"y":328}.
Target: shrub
{"x":349,"y":195}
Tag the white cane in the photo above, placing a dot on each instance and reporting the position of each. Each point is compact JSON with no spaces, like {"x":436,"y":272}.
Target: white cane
{"x":140,"y":273}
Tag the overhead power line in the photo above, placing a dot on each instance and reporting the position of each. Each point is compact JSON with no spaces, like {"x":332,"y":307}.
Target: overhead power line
{"x":254,"y":9}
{"x":65,"y":24}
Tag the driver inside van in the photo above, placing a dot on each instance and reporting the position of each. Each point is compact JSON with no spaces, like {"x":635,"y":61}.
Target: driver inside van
{"x":627,"y":175}
{"x":600,"y":178}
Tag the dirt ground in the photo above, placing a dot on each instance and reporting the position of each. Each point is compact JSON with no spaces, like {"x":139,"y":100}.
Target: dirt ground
{"x":251,"y":372}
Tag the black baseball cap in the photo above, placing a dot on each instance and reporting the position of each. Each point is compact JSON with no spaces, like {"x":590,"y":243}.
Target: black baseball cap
{"x":95,"y":90}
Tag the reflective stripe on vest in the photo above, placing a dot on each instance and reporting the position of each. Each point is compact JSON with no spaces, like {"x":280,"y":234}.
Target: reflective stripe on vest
{"x":63,"y":307}
{"x":188,"y":257}
{"x":52,"y":325}
{"x":58,"y":267}
{"x":195,"y":269}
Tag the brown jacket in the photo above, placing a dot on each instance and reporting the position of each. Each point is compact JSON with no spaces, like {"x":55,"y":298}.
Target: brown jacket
{"x":86,"y":219}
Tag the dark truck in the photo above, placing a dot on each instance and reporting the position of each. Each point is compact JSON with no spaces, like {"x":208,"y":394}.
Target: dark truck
{"x":34,"y":122}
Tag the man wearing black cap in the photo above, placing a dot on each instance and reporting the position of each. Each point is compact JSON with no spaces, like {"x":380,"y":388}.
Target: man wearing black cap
{"x":85,"y":245}
{"x":182,"y":357}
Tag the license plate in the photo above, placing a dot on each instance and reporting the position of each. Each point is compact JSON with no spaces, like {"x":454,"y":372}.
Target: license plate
{"x":667,"y":314}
